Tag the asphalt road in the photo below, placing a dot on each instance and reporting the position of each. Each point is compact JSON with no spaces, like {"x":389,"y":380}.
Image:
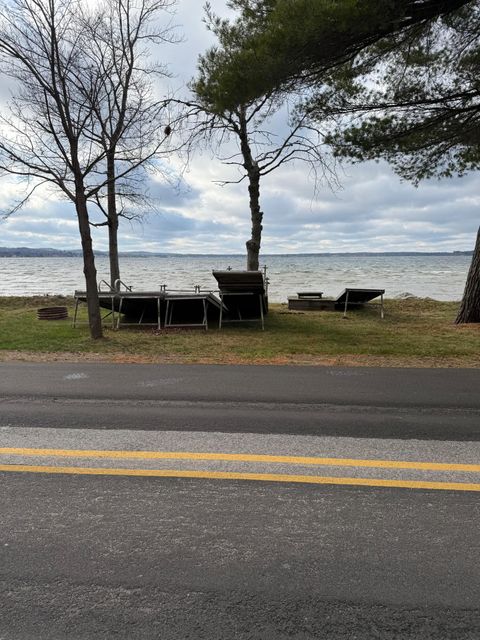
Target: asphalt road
{"x":296,"y":551}
{"x":361,"y":402}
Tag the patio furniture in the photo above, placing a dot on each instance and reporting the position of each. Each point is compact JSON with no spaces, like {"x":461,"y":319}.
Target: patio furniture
{"x":184,"y":309}
{"x":349,"y":298}
{"x":352,"y":297}
{"x":243,"y":295}
{"x":309,"y":301}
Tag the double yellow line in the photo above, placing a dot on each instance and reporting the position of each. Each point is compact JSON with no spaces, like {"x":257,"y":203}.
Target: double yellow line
{"x":234,"y":457}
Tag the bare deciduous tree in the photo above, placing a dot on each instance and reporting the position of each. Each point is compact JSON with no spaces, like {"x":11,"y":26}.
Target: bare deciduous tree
{"x":130,"y":125}
{"x":84,"y":118}
{"x":43,"y":140}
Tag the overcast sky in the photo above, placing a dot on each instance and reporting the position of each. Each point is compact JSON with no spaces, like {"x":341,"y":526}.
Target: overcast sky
{"x":373,"y":211}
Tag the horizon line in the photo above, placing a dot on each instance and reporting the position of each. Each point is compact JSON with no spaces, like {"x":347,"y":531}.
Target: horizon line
{"x":240,"y":255}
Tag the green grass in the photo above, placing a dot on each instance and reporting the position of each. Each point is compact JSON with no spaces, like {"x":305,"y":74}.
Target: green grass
{"x":414,"y":332}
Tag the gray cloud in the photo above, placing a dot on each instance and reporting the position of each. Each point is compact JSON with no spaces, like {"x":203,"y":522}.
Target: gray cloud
{"x":373,"y":211}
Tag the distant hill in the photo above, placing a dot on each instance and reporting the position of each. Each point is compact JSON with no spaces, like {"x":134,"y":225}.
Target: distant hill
{"x":28,"y":252}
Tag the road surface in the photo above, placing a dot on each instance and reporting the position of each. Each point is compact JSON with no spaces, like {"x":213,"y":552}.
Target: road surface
{"x":152,"y":501}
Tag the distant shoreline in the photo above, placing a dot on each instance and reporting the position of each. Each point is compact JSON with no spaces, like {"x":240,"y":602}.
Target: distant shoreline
{"x":26,"y":252}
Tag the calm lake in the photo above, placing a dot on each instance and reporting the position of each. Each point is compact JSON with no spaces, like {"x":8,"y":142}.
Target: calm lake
{"x":438,"y":277}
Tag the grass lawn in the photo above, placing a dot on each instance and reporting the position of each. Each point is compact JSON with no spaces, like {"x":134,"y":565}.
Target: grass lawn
{"x":414,"y":333}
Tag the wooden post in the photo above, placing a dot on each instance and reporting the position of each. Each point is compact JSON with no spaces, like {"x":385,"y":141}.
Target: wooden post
{"x":74,"y":324}
{"x":346,"y":305}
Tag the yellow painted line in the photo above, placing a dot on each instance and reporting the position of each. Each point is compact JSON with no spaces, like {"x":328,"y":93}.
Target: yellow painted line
{"x":241,"y":457}
{"x":227,"y":475}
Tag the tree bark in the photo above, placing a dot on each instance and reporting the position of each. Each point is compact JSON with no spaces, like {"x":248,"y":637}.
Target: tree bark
{"x":253,"y":172}
{"x":112,"y":220}
{"x":253,"y":244}
{"x":470,"y":307}
{"x":89,"y":270}
{"x":113,"y":249}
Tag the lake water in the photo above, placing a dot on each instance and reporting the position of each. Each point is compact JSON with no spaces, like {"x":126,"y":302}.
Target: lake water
{"x":438,"y":277}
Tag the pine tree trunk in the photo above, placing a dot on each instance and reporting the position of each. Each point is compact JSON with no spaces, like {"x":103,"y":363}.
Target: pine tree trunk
{"x":253,"y":245}
{"x":253,"y":173}
{"x":470,"y":307}
{"x":112,"y":220}
{"x":89,"y":270}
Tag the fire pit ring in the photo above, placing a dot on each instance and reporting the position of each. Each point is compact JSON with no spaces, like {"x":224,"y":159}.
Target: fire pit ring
{"x":52,"y":313}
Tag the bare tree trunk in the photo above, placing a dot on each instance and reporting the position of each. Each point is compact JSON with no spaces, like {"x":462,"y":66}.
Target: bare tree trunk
{"x":470,"y":307}
{"x":112,"y":220}
{"x":94,"y":317}
{"x":113,"y":249}
{"x":253,"y":245}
